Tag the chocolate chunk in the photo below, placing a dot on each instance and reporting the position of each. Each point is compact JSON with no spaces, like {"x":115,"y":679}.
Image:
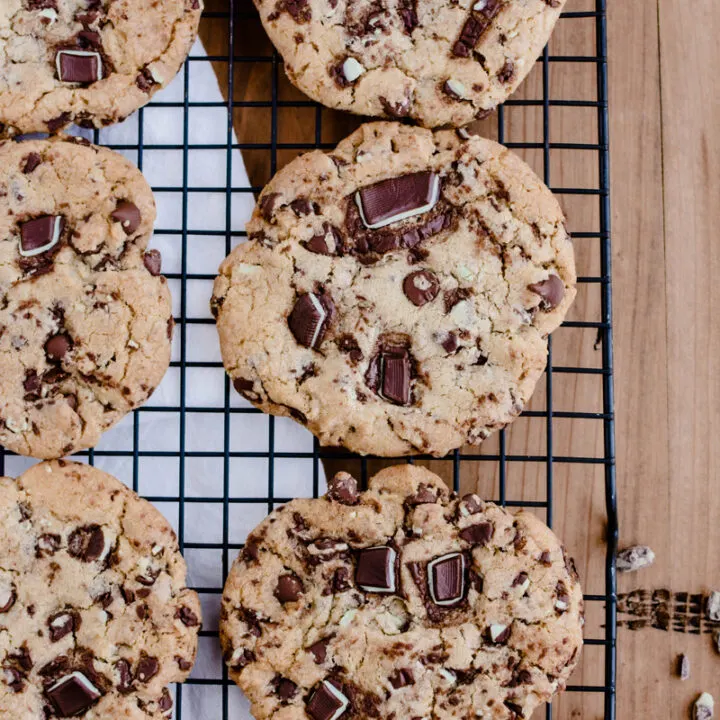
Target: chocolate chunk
{"x":319,"y":650}
{"x":309,"y":319}
{"x":153,"y":262}
{"x":469,"y":36}
{"x":285,"y":689}
{"x":40,"y":235}
{"x":562,"y":597}
{"x":407,"y":9}
{"x":343,"y":488}
{"x":185,"y":665}
{"x":125,"y":682}
{"x":128,"y":215}
{"x":267,"y":205}
{"x":89,"y":39}
{"x":470,"y":504}
{"x":327,"y":702}
{"x":8,"y":596}
{"x":376,"y":570}
{"x":79,"y":66}
{"x":73,"y":694}
{"x":187,"y":617}
{"x":238,"y":660}
{"x":402,"y":678}
{"x":446,"y":579}
{"x":57,"y":346}
{"x":450,"y":343}
{"x":513,"y":707}
{"x":551,"y":291}
{"x":520,"y":677}
{"x":86,"y":543}
{"x":424,"y":495}
{"x":31,"y":384}
{"x":145,"y":80}
{"x":545,"y":558}
{"x":339,"y":583}
{"x":30,"y":163}
{"x":62,"y":624}
{"x":421,"y":287}
{"x":289,"y":588}
{"x":147,"y":668}
{"x":165,"y":702}
{"x":389,"y":375}
{"x":326,"y":243}
{"x":13,"y":678}
{"x":60,"y":121}
{"x":301,"y":206}
{"x":396,"y":110}
{"x":522,"y":580}
{"x":479,"y":534}
{"x":498,"y":633}
{"x":507,"y":72}
{"x":452,"y":297}
{"x":398,"y":198}
{"x":246,"y":388}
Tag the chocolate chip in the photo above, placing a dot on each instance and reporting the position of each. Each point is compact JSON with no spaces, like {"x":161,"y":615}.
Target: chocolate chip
{"x":86,"y":543}
{"x":398,"y":198}
{"x":376,"y":570}
{"x":343,"y":488}
{"x":421,"y":287}
{"x":79,"y":66}
{"x":289,"y":588}
{"x":319,"y":650}
{"x":551,"y":291}
{"x":73,"y":694}
{"x":128,"y":215}
{"x":285,"y":689}
{"x":479,"y":534}
{"x":187,"y":617}
{"x":327,"y":702}
{"x":389,"y":375}
{"x":402,"y":678}
{"x":153,"y":262}
{"x":545,"y":558}
{"x":446,"y":579}
{"x":47,"y":544}
{"x":125,"y":681}
{"x":40,"y":235}
{"x":62,"y":624}
{"x":30,"y":163}
{"x":309,"y":319}
{"x":147,"y":668}
{"x":57,"y":346}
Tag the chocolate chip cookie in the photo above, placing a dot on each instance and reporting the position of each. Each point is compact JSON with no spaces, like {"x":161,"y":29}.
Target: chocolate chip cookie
{"x":403,"y":601}
{"x":436,"y":62}
{"x":95,"y":616}
{"x":395,"y":295}
{"x":90,"y":62}
{"x":85,"y":316}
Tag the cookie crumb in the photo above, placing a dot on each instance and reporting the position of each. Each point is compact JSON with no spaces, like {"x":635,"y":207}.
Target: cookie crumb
{"x":634,"y":558}
{"x":703,"y":707}
{"x":683,"y":666}
{"x":712,"y":609}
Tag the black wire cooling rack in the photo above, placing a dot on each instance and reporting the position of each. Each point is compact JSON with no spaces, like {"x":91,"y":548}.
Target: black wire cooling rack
{"x":256,"y":126}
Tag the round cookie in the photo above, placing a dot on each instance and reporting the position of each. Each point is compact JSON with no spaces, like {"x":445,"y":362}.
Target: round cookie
{"x":90,"y":62}
{"x":396,"y":295}
{"x":85,"y":317}
{"x":437,"y":62}
{"x":95,"y":616}
{"x":402,"y":601}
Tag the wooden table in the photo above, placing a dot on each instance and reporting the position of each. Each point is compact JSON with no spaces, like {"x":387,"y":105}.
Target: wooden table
{"x":665,"y":140}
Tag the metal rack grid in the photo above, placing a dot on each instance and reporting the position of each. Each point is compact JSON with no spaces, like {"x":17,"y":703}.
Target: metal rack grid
{"x":235,"y":13}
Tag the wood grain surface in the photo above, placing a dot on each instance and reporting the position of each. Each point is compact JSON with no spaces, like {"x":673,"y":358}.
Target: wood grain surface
{"x":665,"y":159}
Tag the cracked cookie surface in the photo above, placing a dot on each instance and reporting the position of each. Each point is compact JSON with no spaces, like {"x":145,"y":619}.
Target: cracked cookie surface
{"x":85,"y":316}
{"x":402,"y":601}
{"x":440,"y":63}
{"x":395,"y":336}
{"x":91,"y":62}
{"x":95,"y":616}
